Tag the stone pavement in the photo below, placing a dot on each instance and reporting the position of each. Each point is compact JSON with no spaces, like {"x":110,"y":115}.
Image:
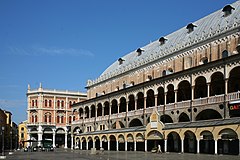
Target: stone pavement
{"x":61,"y":154}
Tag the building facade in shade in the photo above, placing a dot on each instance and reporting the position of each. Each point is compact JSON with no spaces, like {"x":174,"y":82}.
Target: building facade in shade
{"x":50,"y":116}
{"x":180,"y":92}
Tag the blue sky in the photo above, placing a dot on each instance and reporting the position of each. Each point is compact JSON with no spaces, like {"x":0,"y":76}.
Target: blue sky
{"x":63,"y":43}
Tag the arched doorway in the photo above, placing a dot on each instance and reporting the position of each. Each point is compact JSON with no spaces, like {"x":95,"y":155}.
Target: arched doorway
{"x":112,"y":143}
{"x":184,"y":91}
{"x":104,"y":142}
{"x":121,"y":143}
{"x":130,"y":144}
{"x":217,"y":85}
{"x":140,"y":142}
{"x":47,"y":139}
{"x":150,"y":98}
{"x":229,"y":142}
{"x":60,"y":138}
{"x":200,"y":89}
{"x":190,"y":142}
{"x":154,"y":138}
{"x":206,"y":142}
{"x":174,"y":142}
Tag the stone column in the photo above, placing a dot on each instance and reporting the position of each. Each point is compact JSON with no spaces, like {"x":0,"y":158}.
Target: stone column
{"x":116,"y":145}
{"x":81,"y":145}
{"x":28,"y":137}
{"x":145,"y":146}
{"x":193,"y":87}
{"x":86,"y":145}
{"x":54,"y":135}
{"x":65,"y":144}
{"x":165,"y":145}
{"x":125,"y":145}
{"x":108,"y":145}
{"x":208,"y":89}
{"x":135,"y":145}
{"x":103,"y":111}
{"x":182,"y":145}
{"x":198,"y":147}
{"x":135,"y":104}
{"x":100,"y":143}
{"x":216,"y":146}
{"x":72,"y":141}
{"x":40,"y":133}
{"x":93,"y":143}
{"x":175,"y":94}
{"x":156,"y":100}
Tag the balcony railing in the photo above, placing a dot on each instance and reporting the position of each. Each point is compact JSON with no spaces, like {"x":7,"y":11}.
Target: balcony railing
{"x":184,"y":104}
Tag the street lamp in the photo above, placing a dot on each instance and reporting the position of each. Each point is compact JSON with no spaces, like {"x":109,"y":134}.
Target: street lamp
{"x":3,"y":156}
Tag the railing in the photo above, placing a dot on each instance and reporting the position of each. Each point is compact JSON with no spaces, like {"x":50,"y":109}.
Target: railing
{"x":184,"y":104}
{"x":233,"y":96}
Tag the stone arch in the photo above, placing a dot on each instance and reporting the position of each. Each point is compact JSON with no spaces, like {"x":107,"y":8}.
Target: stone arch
{"x":99,"y":109}
{"x":114,"y":105}
{"x":117,"y":125}
{"x":208,"y":114}
{"x":170,"y":94}
{"x":112,"y":140}
{"x":183,"y":117}
{"x":106,"y":108}
{"x":131,"y":102}
{"x":93,"y":111}
{"x":166,"y":119}
{"x":200,"y":89}
{"x":122,"y":105}
{"x":150,"y":98}
{"x":184,"y":91}
{"x":190,"y":142}
{"x":80,"y":111}
{"x":174,"y":142}
{"x":217,"y":85}
{"x":234,"y":80}
{"x":160,"y":96}
{"x":135,"y":122}
{"x":140,"y":100}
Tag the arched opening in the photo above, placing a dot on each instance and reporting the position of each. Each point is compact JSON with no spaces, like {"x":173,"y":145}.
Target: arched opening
{"x":200,"y":89}
{"x":93,"y":111}
{"x":99,"y":110}
{"x":117,"y":125}
{"x":90,"y":143}
{"x":130,"y":144}
{"x":208,"y":114}
{"x":166,"y":119}
{"x":229,"y":142}
{"x":114,"y":108}
{"x":234,"y":80}
{"x":184,"y":91}
{"x":86,"y":112}
{"x":123,"y":104}
{"x":225,"y":54}
{"x":97,"y":143}
{"x":170,"y":94}
{"x":217,"y":85}
{"x":131,"y":103}
{"x":174,"y":142}
{"x":112,"y":143}
{"x":121,"y":144}
{"x":104,"y":142}
{"x":135,"y":122}
{"x":154,"y":138}
{"x":84,"y":143}
{"x":140,"y":142}
{"x":160,"y":97}
{"x":140,"y":100}
{"x":206,"y":142}
{"x":106,"y":108}
{"x":60,"y":138}
{"x":190,"y":142}
{"x":150,"y":98}
{"x":47,"y":139}
{"x":80,"y":111}
{"x":183,"y":117}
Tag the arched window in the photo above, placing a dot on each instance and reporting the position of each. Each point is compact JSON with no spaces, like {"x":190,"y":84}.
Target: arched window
{"x":45,"y":118}
{"x":49,"y":118}
{"x":32,"y":118}
{"x":32,"y":103}
{"x":73,"y":118}
{"x":50,"y":103}
{"x":36,"y":118}
{"x":46,"y":103}
{"x":225,"y":54}
{"x":36,"y":104}
{"x":58,"y":118}
{"x":62,"y":104}
{"x":70,"y":119}
{"x":58,"y":103}
{"x":62,"y":119}
{"x":70,"y":103}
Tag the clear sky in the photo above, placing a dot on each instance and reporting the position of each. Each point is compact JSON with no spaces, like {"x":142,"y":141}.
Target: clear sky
{"x":63,"y":43}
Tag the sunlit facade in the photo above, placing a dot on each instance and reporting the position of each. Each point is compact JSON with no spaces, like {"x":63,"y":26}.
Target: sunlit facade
{"x":181,"y":92}
{"x":50,"y":116}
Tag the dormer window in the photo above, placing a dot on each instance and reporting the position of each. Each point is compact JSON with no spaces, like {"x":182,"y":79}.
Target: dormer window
{"x":162,"y":40}
{"x":120,"y":61}
{"x":227,"y":10}
{"x":190,"y":27}
{"x":139,"y":51}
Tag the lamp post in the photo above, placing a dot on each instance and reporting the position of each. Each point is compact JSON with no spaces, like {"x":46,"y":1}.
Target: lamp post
{"x":3,"y":156}
{"x":10,"y":142}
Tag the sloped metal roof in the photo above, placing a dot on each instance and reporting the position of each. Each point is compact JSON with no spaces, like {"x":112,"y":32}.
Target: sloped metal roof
{"x":206,"y":28}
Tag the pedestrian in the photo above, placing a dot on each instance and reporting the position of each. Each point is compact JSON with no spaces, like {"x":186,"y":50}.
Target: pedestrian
{"x":159,"y":149}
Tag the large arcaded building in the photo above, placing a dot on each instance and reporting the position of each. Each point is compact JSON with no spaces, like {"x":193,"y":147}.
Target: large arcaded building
{"x":180,"y":91}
